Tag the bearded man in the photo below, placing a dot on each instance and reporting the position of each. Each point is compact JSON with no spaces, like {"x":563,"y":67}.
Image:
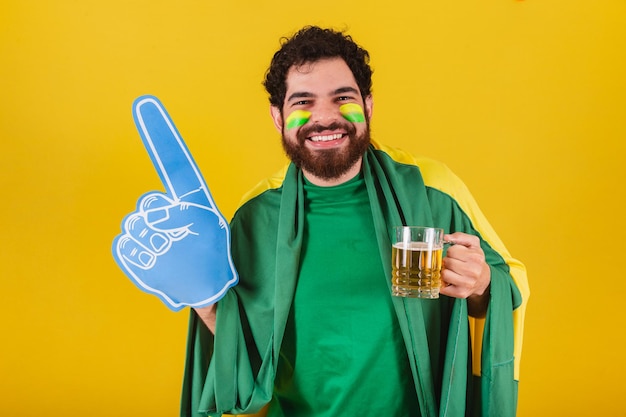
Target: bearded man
{"x":312,"y":328}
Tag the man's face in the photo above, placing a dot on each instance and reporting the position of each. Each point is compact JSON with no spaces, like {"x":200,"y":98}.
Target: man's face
{"x":326,"y":146}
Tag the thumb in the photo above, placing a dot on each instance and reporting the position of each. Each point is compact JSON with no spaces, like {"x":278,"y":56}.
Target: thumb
{"x":464,"y":239}
{"x":182,"y":217}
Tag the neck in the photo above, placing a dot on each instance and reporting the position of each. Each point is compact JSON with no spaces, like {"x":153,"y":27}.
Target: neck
{"x":330,"y":182}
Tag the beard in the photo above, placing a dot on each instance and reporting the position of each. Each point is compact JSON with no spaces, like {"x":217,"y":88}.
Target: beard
{"x":327,"y":164}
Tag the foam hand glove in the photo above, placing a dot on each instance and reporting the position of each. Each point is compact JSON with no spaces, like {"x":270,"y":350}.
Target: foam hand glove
{"x":176,"y":245}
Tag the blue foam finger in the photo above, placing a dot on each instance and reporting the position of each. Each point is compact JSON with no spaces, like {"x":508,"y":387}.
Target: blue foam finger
{"x":171,"y":158}
{"x":192,"y":264}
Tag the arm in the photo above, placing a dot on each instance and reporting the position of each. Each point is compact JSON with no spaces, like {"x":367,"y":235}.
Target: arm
{"x":208,"y":315}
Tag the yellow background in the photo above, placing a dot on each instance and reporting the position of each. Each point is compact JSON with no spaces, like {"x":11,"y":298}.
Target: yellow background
{"x":525,"y":100}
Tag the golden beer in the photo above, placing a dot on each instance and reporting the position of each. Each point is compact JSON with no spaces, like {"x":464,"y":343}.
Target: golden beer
{"x":416,"y":269}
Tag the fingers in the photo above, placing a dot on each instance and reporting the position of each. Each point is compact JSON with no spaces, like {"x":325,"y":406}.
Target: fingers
{"x":455,"y":282}
{"x":465,"y":271}
{"x":158,"y":222}
{"x":170,"y":156}
{"x":130,"y":252}
{"x":145,"y":236}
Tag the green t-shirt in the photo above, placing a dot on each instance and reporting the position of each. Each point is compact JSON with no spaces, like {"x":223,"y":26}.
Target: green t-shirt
{"x":343,"y":353}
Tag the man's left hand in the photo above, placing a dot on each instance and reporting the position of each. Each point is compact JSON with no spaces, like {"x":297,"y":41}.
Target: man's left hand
{"x":465,"y":273}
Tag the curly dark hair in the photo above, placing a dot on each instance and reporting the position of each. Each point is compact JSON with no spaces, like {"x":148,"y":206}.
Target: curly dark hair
{"x":311,"y":44}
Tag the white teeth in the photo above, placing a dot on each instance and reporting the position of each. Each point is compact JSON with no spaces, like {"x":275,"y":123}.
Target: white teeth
{"x":326,"y":138}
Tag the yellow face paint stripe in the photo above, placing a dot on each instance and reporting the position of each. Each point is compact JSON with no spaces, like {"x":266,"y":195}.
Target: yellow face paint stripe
{"x":352,"y":112}
{"x":297,"y":119}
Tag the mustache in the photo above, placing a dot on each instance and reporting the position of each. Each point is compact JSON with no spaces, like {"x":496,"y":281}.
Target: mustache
{"x":307,"y":131}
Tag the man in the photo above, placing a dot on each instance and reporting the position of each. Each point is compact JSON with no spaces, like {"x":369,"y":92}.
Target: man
{"x":312,"y":328}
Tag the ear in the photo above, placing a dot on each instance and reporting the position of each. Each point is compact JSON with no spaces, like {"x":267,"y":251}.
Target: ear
{"x":277,"y":117}
{"x":369,"y":106}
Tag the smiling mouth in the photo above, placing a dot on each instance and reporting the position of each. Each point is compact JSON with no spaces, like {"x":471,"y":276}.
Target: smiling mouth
{"x":325,"y":138}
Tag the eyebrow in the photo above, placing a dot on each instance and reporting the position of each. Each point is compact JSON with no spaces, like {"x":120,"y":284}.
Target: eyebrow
{"x":305,"y":94}
{"x":346,"y":90}
{"x":300,"y":95}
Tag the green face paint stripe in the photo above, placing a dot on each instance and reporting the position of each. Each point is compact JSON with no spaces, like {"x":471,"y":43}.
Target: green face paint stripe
{"x":297,"y":119}
{"x":354,"y":117}
{"x":352,"y":112}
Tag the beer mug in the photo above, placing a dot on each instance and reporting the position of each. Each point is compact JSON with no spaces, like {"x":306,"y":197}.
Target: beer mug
{"x":416,"y":257}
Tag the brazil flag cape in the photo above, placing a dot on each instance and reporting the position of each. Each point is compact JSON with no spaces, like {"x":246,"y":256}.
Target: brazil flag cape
{"x":467,"y":367}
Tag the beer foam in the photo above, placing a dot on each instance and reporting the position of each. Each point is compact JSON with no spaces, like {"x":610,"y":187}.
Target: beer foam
{"x":417,"y":246}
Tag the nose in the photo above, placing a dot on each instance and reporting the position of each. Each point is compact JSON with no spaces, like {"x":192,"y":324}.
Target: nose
{"x":325,"y":113}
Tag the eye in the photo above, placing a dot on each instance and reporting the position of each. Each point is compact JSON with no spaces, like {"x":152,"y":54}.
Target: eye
{"x":300,"y":103}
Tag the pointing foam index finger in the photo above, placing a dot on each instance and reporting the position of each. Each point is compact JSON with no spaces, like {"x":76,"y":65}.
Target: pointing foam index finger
{"x":171,"y":158}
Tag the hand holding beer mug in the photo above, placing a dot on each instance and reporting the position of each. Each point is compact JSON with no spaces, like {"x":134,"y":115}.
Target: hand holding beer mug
{"x":416,"y":257}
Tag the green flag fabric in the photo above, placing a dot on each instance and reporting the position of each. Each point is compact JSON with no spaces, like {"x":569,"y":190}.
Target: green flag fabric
{"x":461,"y":366}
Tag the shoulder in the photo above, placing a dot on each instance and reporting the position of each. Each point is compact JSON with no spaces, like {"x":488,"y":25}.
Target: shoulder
{"x":271,"y":183}
{"x":435,"y":174}
{"x":262,"y":202}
